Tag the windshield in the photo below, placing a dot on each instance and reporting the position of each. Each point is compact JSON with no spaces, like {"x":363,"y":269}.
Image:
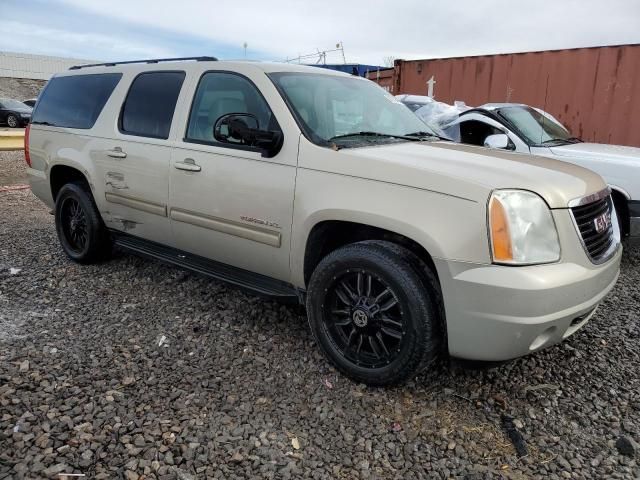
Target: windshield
{"x":330,"y":106}
{"x":536,"y":128}
{"x":10,"y":103}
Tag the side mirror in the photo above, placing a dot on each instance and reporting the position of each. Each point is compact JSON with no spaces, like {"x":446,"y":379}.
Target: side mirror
{"x":499,"y":140}
{"x":243,"y":129}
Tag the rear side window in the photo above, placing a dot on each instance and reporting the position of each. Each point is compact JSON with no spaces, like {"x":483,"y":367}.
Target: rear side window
{"x":150,"y":103}
{"x":75,"y":101}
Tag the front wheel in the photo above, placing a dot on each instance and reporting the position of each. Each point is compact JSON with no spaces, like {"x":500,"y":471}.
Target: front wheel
{"x":374,"y":312}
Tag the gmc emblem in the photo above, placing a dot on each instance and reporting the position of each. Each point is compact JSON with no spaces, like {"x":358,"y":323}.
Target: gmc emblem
{"x":602,"y":222}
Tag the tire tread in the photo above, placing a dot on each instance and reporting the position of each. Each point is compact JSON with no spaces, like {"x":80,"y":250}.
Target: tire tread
{"x":419,"y":283}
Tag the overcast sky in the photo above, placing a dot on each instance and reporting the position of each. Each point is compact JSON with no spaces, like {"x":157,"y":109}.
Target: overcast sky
{"x":276,"y":29}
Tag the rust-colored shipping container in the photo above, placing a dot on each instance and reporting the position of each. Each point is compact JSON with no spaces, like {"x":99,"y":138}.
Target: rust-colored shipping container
{"x":383,"y":77}
{"x":595,"y":91}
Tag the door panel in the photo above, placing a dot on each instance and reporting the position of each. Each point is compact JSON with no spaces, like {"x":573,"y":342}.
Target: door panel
{"x":134,"y":165}
{"x":236,"y":210}
{"x":136,"y":187}
{"x":227,"y":202}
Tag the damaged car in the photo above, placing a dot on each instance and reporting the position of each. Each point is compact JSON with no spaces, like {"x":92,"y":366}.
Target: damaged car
{"x":525,"y":129}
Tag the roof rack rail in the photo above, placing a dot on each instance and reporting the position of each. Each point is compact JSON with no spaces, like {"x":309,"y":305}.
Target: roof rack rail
{"x":151,"y":60}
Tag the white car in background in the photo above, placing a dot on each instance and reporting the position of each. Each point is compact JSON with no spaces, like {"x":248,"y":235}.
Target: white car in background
{"x":525,"y":129}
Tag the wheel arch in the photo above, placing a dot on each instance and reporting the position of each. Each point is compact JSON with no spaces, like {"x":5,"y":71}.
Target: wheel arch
{"x":620,"y":199}
{"x":328,"y":235}
{"x":60,"y":174}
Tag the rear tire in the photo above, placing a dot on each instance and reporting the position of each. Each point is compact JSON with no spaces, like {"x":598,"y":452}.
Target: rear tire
{"x":81,"y":231}
{"x":374,"y":310}
{"x":12,"y":121}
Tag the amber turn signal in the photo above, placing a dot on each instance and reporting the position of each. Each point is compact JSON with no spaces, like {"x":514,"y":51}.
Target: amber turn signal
{"x":500,"y":235}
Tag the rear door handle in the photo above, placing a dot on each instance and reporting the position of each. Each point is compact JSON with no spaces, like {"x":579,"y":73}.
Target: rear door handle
{"x":188,"y":165}
{"x":116,"y":153}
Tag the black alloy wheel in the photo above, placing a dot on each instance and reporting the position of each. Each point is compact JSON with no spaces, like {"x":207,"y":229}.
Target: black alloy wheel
{"x":74,"y":224}
{"x":81,"y":231}
{"x":364,"y":319}
{"x":375,"y":310}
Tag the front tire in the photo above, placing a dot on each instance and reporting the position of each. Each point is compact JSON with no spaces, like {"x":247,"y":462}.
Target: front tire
{"x":12,"y":121}
{"x":374,"y":313}
{"x":81,"y":231}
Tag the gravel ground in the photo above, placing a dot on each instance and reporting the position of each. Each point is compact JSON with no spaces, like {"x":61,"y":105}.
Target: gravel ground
{"x":132,"y":369}
{"x":12,"y":168}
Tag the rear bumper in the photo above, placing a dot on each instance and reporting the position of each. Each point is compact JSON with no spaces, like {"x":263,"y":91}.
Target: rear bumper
{"x":499,"y":313}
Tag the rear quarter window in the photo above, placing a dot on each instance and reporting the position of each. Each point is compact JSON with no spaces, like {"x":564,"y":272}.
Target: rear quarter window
{"x":75,"y":101}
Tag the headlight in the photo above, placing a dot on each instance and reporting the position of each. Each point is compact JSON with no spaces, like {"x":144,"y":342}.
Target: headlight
{"x":24,"y":115}
{"x":522,"y":229}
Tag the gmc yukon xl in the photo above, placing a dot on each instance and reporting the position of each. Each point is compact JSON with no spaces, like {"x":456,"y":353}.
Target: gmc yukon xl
{"x":317,"y":186}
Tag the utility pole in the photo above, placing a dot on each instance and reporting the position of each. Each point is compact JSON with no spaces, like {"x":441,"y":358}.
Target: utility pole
{"x":244,"y":45}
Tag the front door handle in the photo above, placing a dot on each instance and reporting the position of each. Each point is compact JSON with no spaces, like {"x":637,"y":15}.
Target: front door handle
{"x":189,"y":165}
{"x":116,"y":153}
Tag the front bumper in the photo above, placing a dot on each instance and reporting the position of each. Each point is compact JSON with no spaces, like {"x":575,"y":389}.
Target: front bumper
{"x":499,"y":313}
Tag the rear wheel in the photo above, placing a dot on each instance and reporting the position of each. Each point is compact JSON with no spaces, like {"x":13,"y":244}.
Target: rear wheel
{"x":81,"y":232}
{"x":12,"y":120}
{"x":373,"y":314}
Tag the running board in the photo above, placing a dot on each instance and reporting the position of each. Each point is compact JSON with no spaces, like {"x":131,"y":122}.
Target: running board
{"x":244,"y":279}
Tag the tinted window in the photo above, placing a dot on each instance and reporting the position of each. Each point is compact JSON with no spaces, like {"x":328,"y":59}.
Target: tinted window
{"x":219,"y":94}
{"x":150,"y":103}
{"x":75,"y":101}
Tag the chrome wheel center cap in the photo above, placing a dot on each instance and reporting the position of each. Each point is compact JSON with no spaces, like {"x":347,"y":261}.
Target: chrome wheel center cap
{"x":360,"y":318}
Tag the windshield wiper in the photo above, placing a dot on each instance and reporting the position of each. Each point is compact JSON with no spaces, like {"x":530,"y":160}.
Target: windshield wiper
{"x":555,"y":140}
{"x":426,"y":134}
{"x":370,"y":134}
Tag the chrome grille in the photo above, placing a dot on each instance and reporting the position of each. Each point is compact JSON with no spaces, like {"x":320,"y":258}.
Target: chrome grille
{"x":598,"y":243}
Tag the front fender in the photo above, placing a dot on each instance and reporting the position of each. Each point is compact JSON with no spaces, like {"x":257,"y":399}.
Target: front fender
{"x":447,"y":227}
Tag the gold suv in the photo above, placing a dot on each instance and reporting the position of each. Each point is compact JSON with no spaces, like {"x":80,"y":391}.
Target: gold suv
{"x":319,"y":187}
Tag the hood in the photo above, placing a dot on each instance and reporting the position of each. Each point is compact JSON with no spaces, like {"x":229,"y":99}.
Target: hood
{"x":598,"y":151}
{"x":471,"y":172}
{"x":26,"y":109}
